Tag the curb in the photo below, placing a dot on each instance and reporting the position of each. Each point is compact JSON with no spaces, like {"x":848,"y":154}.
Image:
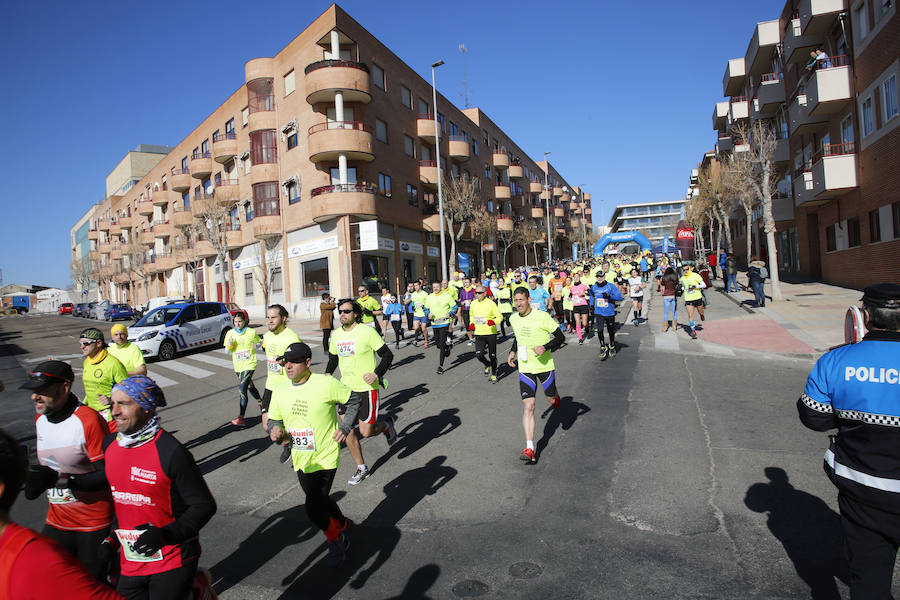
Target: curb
{"x":736,"y":301}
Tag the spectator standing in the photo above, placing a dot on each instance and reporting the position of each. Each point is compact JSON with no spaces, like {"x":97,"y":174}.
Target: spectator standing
{"x":712,"y":260}
{"x":756,"y":277}
{"x":326,"y":319}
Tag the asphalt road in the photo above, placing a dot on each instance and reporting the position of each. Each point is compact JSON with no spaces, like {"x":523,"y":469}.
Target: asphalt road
{"x":664,"y":474}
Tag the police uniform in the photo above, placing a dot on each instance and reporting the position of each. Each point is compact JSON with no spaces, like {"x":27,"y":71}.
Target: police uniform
{"x":856,"y":389}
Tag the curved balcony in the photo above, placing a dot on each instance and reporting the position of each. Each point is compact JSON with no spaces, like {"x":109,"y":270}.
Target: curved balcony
{"x":234,"y":239}
{"x":458,"y":148}
{"x":180,"y":180}
{"x":147,"y":237}
{"x":224,"y":147}
{"x":201,"y":204}
{"x":162,"y":261}
{"x":501,"y":192}
{"x":182,"y":217}
{"x":227,"y":192}
{"x":504,"y":223}
{"x":263,"y":119}
{"x":516,"y":171}
{"x":124,"y":222}
{"x":500,"y":160}
{"x":263,"y":172}
{"x":161,"y":197}
{"x":329,"y":140}
{"x":557,"y":191}
{"x":559,"y":211}
{"x":332,"y":201}
{"x":115,"y":228}
{"x":325,"y":78}
{"x":425,"y":126}
{"x":145,"y":208}
{"x":535,"y":187}
{"x":204,"y":248}
{"x":428,"y":173}
{"x":201,"y":165}
{"x":258,"y":68}
{"x":537,"y":212}
{"x":431,"y":222}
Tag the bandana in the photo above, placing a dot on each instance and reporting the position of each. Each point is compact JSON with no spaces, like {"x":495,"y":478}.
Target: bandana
{"x":142,"y":436}
{"x":241,"y":330}
{"x":117,"y":328}
{"x":101,"y":354}
{"x":142,"y":390}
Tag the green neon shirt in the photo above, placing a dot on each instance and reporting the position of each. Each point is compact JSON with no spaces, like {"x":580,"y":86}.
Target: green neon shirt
{"x":355,"y":350}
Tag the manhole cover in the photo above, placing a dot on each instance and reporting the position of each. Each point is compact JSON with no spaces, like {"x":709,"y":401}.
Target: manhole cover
{"x":525,"y":570}
{"x":470,"y":589}
{"x":809,"y":294}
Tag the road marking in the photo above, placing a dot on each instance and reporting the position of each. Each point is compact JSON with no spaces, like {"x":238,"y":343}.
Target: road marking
{"x":188,"y":370}
{"x":212,"y":360}
{"x":52,"y":357}
{"x":711,"y":348}
{"x":161,"y":380}
{"x":666,"y":342}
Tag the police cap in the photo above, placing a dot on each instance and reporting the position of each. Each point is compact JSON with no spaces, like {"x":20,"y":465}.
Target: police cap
{"x":882,"y":295}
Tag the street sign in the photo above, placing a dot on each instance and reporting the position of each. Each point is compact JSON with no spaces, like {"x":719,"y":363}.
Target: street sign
{"x":368,"y":235}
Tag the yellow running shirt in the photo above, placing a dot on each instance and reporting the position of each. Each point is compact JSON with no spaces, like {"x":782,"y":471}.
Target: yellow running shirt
{"x":129,"y":355}
{"x":355,"y":350}
{"x":242,"y":347}
{"x":532,"y":330}
{"x":100,"y":375}
{"x":275,"y":345}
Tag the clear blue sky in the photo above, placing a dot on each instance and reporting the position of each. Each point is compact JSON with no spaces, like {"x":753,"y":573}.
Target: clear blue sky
{"x":621,"y":93}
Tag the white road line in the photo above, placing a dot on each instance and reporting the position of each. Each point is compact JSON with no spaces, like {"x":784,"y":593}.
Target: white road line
{"x":667,"y":342}
{"x":711,"y":348}
{"x":161,"y":380}
{"x":188,"y":370}
{"x":212,"y":360}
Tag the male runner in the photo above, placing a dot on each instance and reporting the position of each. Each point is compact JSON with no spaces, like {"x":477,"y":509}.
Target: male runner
{"x":693,"y":286}
{"x":303,"y":413}
{"x":420,"y":321}
{"x":536,"y":336}
{"x":466,"y":295}
{"x":101,"y":372}
{"x":352,"y":349}
{"x":441,"y":308}
{"x":539,"y":297}
{"x":503,"y":295}
{"x":555,"y":287}
{"x":370,"y":308}
{"x":69,"y":446}
{"x":603,"y":295}
{"x":275,"y":341}
{"x":485,"y":315}
{"x":407,"y":305}
{"x":128,"y":354}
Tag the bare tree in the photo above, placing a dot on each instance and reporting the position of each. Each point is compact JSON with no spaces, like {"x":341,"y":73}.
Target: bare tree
{"x":186,"y":250}
{"x":507,"y":239}
{"x":733,"y":173}
{"x":484,"y":228}
{"x":264,"y":272}
{"x":80,"y":274}
{"x":461,"y":196}
{"x":134,"y":260}
{"x":213,"y":220}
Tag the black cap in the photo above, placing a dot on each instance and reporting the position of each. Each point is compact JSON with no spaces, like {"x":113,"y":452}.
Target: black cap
{"x":296,"y":353}
{"x":882,"y":295}
{"x":48,"y":373}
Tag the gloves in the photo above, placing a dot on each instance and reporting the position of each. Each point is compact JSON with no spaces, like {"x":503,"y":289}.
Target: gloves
{"x":150,"y":542}
{"x":39,"y":479}
{"x":491,"y":323}
{"x":606,"y":296}
{"x":471,"y":326}
{"x":107,"y":550}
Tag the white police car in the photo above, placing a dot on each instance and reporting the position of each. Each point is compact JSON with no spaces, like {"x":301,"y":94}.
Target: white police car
{"x":180,"y":326}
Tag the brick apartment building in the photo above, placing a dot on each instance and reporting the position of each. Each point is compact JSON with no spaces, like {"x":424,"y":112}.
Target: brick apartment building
{"x":332,"y":130}
{"x":837,"y":208}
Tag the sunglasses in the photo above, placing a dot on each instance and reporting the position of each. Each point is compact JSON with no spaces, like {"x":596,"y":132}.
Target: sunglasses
{"x":479,"y":292}
{"x":83,"y":344}
{"x":345,"y":312}
{"x":362,"y":291}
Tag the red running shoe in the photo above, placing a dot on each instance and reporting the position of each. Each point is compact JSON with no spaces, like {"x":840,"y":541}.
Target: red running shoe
{"x":556,"y":401}
{"x":527,"y":455}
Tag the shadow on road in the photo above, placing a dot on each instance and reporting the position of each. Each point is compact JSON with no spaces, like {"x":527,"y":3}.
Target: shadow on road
{"x":407,"y":360}
{"x":417,"y":434}
{"x":372,"y":541}
{"x":401,"y":397}
{"x":419,"y":583}
{"x":564,"y":417}
{"x":807,"y":528}
{"x":241,"y":452}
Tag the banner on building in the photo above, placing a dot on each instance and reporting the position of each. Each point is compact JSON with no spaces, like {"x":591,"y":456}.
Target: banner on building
{"x":368,"y":235}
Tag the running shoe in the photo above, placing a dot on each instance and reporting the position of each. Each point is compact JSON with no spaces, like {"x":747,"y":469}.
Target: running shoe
{"x":470,"y":343}
{"x":493,"y":379}
{"x":391,"y":431}
{"x":612,"y":350}
{"x":361,"y":473}
{"x":581,"y":342}
{"x":337,"y":550}
{"x":527,"y":455}
{"x":604,"y":351}
{"x":556,"y":402}
{"x":440,"y":371}
{"x":692,"y":333}
{"x":703,"y":316}
{"x":238,"y":421}
{"x":487,"y":371}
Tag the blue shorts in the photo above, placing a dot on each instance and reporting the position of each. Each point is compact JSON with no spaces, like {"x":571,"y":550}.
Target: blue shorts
{"x":528,"y":384}
{"x":420,"y":320}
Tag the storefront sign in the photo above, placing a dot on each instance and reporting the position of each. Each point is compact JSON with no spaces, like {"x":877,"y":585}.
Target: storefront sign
{"x":386,"y":244}
{"x":313,"y":246}
{"x":368,"y":235}
{"x":432,"y":251}
{"x":411,"y":247}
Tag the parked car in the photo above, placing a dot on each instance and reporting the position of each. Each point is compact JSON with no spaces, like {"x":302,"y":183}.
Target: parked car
{"x":156,"y":302}
{"x":234,"y":309}
{"x":88,"y":312}
{"x":99,"y":309}
{"x":168,"y":329}
{"x":66,"y":308}
{"x":118,"y":311}
{"x":80,"y":309}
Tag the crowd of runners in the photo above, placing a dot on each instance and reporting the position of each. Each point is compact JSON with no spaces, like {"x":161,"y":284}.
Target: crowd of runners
{"x":127,"y":500}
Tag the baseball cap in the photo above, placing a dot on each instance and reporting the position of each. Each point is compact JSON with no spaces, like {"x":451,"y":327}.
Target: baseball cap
{"x":48,"y":373}
{"x":296,"y":352}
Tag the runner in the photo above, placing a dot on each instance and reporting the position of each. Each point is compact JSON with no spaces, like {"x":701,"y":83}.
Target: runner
{"x":371,"y":309}
{"x":466,"y":295}
{"x":303,"y":414}
{"x":420,"y":320}
{"x":352,"y":349}
{"x":693,"y":296}
{"x":588,"y":278}
{"x":241,"y":344}
{"x":101,"y":372}
{"x":128,"y":354}
{"x":161,"y":499}
{"x":603,"y":295}
{"x":406,"y":300}
{"x":393,"y":312}
{"x":441,"y":308}
{"x":503,"y":295}
{"x":555,"y":287}
{"x":636,"y":287}
{"x":539,"y":298}
{"x":69,"y":447}
{"x":568,"y":305}
{"x":34,"y":567}
{"x":578,"y":292}
{"x":485,"y":316}
{"x":536,"y":336}
{"x":275,"y":340}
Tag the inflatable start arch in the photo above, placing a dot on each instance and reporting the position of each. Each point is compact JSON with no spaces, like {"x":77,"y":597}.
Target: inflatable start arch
{"x":621,"y":236}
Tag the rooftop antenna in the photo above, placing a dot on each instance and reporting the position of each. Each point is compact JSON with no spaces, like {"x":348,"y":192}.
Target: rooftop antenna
{"x":465,"y":92}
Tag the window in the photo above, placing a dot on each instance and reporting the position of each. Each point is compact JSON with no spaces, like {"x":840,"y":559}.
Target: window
{"x":204,"y":147}
{"x":184,"y":163}
{"x":409,"y":146}
{"x":229,"y":126}
{"x":412,"y":194}
{"x":874,"y":226}
{"x":245,"y":115}
{"x":215,"y":136}
{"x":847,"y":130}
{"x":289,"y":85}
{"x":336,"y":175}
{"x":247,"y":164}
{"x":377,"y":76}
{"x":475,"y":147}
{"x":380,"y":131}
{"x":853,"y":238}
{"x":263,"y":147}
{"x":440,"y":119}
{"x":861,"y":18}
{"x":265,"y":199}
{"x":292,"y":140}
{"x":895,"y":214}
{"x":424,"y":152}
{"x":293,"y":192}
{"x":405,"y":97}
{"x":314,"y":275}
{"x":889,"y":97}
{"x":277,"y":284}
{"x":248,"y":285}
{"x":830,"y":239}
{"x":248,"y":211}
{"x":261,"y":95}
{"x":454,"y":130}
{"x":384,"y":185}
{"x":868,"y":117}
{"x":423,"y":107}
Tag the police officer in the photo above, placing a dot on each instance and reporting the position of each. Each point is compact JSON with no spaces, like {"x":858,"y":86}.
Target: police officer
{"x":856,"y":389}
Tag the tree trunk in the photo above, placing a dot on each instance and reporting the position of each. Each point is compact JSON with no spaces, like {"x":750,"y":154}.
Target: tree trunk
{"x":264,"y":268}
{"x":770,"y":231}
{"x":749,"y":212}
{"x":729,"y":244}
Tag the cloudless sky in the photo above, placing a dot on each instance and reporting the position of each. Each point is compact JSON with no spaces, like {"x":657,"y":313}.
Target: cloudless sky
{"x":621,"y":93}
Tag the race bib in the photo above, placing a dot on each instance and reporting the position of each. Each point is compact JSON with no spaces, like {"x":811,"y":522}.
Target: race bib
{"x":523,"y":353}
{"x":481,"y":320}
{"x":536,"y":305}
{"x":395,"y":317}
{"x":273,"y":366}
{"x":466,"y":303}
{"x":127,"y":537}
{"x":60,"y":496}
{"x":602,"y":303}
{"x":303,"y":440}
{"x":242,"y":355}
{"x":346,"y":348}
{"x":441,"y":320}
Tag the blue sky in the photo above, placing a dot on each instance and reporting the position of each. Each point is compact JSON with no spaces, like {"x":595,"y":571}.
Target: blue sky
{"x":621,"y":93}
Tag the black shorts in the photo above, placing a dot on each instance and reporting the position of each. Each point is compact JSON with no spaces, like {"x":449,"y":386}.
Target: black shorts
{"x":368,"y":406}
{"x":581,"y":310}
{"x":558,"y":307}
{"x":697,"y":302}
{"x":465,"y":317}
{"x":529,"y":382}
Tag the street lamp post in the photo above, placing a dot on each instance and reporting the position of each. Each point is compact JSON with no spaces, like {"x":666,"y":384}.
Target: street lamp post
{"x":583,"y":224}
{"x":437,"y":152}
{"x":547,"y":189}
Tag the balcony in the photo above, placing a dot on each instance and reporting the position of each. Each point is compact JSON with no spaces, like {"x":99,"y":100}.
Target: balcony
{"x":565,"y":198}
{"x":574,"y":205}
{"x":327,"y":141}
{"x":325,"y":78}
{"x":516,"y":171}
{"x":830,"y":87}
{"x":180,"y":180}
{"x":161,"y":197}
{"x":182,"y":217}
{"x":537,"y":212}
{"x":116,"y":252}
{"x":501,"y":192}
{"x":332,"y":201}
{"x":803,"y":185}
{"x":782,"y":208}
{"x":115,"y":228}
{"x":161,"y":228}
{"x":104,"y":248}
{"x":428,"y":173}
{"x":425,"y":126}
{"x":574,"y":222}
{"x":765,"y":39}
{"x":227,"y":192}
{"x":501,"y":160}
{"x":561,"y":230}
{"x":587,"y":211}
{"x":201,"y":165}
{"x":738,"y":110}
{"x":834,"y":171}
{"x":202,"y":204}
{"x":720,"y":115}
{"x":224,"y":147}
{"x":735,"y":77}
{"x":782,"y":154}
{"x":557,"y":191}
{"x":770,"y":93}
{"x":586,"y":197}
{"x":546,"y":195}
{"x":204,"y":248}
{"x":103,"y":225}
{"x":234,"y":239}
{"x":145,"y":208}
{"x":162,"y":261}
{"x":535,"y":187}
{"x":124,"y":222}
{"x":263,"y":173}
{"x":817,"y":16}
{"x":264,"y":117}
{"x":459,"y":148}
{"x":147,"y":237}
{"x":504,"y":223}
{"x":801,"y":122}
{"x":559,"y":211}
{"x":798,"y":46}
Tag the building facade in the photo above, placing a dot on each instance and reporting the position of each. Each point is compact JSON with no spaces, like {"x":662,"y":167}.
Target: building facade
{"x":654,"y":220}
{"x":262,"y":200}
